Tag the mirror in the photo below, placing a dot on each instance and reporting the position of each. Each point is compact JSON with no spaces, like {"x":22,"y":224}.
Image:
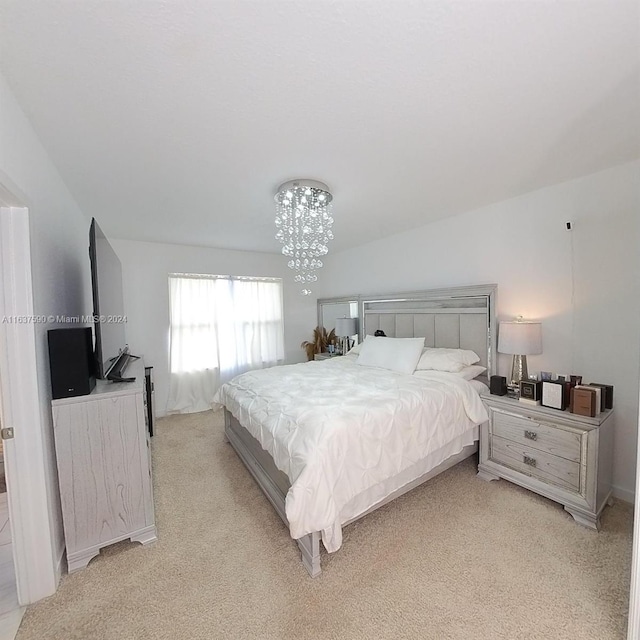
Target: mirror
{"x":329,"y":309}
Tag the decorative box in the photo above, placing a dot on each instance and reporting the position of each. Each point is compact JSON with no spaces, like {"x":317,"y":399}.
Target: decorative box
{"x":498,"y":385}
{"x":554,"y":394}
{"x":530,"y":391}
{"x":607,"y":394}
{"x":584,"y":401}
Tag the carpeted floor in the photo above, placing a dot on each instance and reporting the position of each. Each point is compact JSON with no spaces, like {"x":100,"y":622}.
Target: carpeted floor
{"x":457,"y":558}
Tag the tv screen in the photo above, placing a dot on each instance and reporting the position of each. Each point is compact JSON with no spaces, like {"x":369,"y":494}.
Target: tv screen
{"x":108,"y":305}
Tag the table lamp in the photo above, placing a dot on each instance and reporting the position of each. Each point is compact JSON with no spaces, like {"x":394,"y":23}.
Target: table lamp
{"x":520,"y":339}
{"x":345,"y":328}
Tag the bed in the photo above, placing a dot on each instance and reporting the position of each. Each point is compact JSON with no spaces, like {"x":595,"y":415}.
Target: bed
{"x":330,"y":441}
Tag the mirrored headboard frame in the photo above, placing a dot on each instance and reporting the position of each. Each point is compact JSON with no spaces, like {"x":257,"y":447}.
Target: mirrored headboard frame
{"x":334,"y":301}
{"x":462,"y":317}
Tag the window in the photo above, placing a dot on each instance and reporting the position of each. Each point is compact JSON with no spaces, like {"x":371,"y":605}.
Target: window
{"x":220,"y":326}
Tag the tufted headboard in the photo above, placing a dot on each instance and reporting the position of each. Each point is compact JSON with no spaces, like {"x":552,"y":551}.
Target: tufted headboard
{"x":459,"y":318}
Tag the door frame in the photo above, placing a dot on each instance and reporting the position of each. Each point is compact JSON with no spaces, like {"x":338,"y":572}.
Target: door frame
{"x":633,"y":625}
{"x":25,"y":460}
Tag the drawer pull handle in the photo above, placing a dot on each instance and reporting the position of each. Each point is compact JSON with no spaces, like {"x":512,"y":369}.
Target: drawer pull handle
{"x":530,"y":461}
{"x":530,"y":435}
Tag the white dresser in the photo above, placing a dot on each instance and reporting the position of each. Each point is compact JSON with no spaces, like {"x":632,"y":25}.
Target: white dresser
{"x":560,"y":455}
{"x":104,"y":467}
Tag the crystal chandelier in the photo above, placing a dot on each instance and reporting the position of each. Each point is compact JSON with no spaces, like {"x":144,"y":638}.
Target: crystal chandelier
{"x":303,"y":220}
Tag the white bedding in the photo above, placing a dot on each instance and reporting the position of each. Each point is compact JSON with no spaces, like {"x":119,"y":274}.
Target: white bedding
{"x":338,"y":429}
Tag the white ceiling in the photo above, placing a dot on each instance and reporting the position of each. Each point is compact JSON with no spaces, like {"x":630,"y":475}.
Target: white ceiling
{"x":175,"y":121}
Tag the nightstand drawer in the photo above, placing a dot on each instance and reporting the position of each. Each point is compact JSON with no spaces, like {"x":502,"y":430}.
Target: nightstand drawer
{"x":536,"y":463}
{"x":555,"y":440}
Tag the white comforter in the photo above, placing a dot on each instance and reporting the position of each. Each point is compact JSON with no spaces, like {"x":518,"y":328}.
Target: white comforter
{"x":337,"y":428}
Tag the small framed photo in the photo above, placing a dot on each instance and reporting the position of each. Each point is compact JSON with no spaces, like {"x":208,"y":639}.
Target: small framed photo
{"x":546,"y":375}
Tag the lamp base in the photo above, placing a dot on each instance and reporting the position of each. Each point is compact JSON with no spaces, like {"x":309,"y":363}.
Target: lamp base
{"x":519,"y":369}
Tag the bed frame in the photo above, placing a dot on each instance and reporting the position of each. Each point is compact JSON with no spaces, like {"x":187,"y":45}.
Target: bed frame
{"x":461,"y":317}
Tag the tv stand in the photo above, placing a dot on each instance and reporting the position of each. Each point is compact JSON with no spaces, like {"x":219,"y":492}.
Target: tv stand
{"x":104,"y":467}
{"x":120,"y":365}
{"x":117,"y":369}
{"x":118,"y":379}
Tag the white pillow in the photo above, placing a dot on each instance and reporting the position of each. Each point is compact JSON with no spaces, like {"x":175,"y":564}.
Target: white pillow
{"x":396,"y":354}
{"x":356,"y":349}
{"x":452,"y":360}
{"x":471,"y":372}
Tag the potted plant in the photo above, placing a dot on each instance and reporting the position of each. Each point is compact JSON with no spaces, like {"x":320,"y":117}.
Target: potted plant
{"x":321,"y":340}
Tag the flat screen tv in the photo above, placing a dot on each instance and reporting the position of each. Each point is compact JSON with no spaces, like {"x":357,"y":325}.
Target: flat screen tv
{"x":111,"y":350}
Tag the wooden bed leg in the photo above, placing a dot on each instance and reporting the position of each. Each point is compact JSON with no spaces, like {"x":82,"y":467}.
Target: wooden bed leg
{"x":310,"y":549}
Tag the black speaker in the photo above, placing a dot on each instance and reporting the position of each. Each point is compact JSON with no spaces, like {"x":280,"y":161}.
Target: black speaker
{"x":498,"y":385}
{"x":71,"y":362}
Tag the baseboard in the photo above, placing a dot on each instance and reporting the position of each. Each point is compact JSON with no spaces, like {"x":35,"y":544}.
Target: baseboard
{"x":10,"y":622}
{"x":624,"y":494}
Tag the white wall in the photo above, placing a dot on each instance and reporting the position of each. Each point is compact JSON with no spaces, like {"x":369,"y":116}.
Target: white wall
{"x":60,"y":265}
{"x":145,"y":270}
{"x":584,"y":285}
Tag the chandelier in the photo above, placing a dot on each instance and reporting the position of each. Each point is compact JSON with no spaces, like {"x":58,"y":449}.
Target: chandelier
{"x":303,"y":222}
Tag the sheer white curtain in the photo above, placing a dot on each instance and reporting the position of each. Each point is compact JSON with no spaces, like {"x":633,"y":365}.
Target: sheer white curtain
{"x":220,"y":326}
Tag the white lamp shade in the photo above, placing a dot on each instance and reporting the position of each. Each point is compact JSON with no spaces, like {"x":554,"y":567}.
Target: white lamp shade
{"x":520,"y":338}
{"x":346,"y":327}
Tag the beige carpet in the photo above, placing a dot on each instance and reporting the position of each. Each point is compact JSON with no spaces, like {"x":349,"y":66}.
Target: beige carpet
{"x":457,"y":558}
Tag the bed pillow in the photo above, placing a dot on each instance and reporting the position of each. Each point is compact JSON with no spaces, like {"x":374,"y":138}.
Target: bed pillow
{"x":396,"y":354}
{"x":354,"y":351}
{"x":471,"y":372}
{"x":452,"y":360}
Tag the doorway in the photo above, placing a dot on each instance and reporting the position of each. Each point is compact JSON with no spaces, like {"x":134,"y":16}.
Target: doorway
{"x":10,"y":609}
{"x":27,"y":565}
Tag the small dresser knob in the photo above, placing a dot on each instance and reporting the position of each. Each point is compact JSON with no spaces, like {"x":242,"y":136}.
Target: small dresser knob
{"x":530,"y":461}
{"x":530,"y":435}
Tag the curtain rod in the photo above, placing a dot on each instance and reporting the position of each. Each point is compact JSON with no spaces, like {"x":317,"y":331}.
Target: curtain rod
{"x":199,"y":276}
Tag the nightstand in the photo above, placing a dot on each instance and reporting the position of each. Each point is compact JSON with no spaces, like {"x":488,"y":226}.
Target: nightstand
{"x":326,"y":356}
{"x":560,"y":455}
